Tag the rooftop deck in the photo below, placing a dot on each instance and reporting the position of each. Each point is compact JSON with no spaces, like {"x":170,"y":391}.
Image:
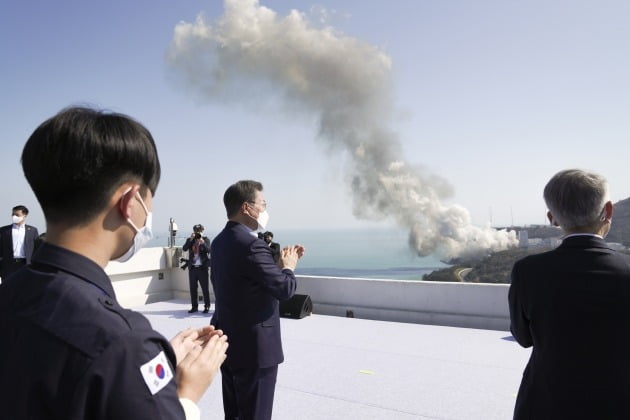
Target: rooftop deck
{"x":346,"y":368}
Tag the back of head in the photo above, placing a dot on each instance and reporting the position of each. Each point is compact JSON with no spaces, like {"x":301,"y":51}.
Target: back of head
{"x":239,"y":193}
{"x":576,"y":198}
{"x":76,"y":159}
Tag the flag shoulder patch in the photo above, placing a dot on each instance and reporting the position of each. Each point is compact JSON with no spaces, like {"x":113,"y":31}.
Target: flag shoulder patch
{"x":156,"y":373}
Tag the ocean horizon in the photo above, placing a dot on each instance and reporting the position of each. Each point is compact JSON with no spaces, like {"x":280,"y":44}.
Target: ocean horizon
{"x":381,"y":253}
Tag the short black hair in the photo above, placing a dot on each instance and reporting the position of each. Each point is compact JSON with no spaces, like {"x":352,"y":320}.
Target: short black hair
{"x":21,"y":208}
{"x":239,"y":193}
{"x":268,"y":234}
{"x":76,"y":159}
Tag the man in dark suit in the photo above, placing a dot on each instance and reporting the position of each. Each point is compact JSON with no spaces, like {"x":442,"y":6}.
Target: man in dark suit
{"x":17,"y":242}
{"x":247,"y":285}
{"x":198,"y":247}
{"x":572,"y":304}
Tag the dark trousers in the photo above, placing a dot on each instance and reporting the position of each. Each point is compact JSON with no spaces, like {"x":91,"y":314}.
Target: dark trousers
{"x":10,"y":266}
{"x":198,"y":276}
{"x":248,"y":393}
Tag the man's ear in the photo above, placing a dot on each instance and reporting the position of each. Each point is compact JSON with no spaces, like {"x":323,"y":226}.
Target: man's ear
{"x":608,"y":210}
{"x":245,"y":209}
{"x":551,"y":220}
{"x":126,"y":193}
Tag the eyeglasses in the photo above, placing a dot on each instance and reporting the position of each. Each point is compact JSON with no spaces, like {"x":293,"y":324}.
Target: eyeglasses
{"x":263,"y":204}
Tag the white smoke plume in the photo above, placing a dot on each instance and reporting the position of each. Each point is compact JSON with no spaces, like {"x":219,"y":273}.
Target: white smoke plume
{"x":343,"y":82}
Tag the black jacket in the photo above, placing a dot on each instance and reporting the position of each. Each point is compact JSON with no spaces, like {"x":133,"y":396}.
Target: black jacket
{"x":204,"y":251}
{"x":572,"y":305}
{"x":70,"y":351}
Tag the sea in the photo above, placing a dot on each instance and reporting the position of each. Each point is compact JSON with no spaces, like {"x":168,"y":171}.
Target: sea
{"x":381,"y":253}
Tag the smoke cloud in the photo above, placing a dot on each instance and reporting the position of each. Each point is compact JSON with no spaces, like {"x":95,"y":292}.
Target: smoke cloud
{"x":346,"y":84}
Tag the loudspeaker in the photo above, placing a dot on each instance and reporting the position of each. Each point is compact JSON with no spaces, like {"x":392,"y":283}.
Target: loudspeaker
{"x":297,"y":307}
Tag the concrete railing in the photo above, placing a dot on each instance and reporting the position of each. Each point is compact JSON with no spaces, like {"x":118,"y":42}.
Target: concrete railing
{"x":145,"y":278}
{"x":154,"y":275}
{"x":473,"y":305}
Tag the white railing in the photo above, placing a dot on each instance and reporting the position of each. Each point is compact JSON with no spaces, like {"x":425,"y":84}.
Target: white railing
{"x":154,"y":275}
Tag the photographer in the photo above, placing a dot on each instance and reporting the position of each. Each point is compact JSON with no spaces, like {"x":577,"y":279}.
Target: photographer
{"x":198,"y":247}
{"x":275,"y":246}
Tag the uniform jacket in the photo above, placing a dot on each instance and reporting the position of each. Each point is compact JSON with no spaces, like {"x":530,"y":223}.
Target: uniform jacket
{"x":248,"y":284}
{"x":70,"y":352}
{"x":572,"y":305}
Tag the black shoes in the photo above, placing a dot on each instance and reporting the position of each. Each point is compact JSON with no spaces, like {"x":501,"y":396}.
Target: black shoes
{"x":206,"y":309}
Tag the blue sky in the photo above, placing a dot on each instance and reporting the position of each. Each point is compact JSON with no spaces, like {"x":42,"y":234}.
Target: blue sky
{"x":493,"y":96}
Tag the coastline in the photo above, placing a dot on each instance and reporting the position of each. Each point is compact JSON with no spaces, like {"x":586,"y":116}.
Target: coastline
{"x":381,"y":253}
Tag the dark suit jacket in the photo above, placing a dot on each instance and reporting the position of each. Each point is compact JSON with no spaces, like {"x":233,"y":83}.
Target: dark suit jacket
{"x":248,"y":284}
{"x":275,"y":251}
{"x":204,"y":251}
{"x":572,"y":305}
{"x":6,"y":243}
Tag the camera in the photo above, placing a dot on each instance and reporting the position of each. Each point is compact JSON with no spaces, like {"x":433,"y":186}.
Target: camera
{"x":185,"y":265}
{"x":197,"y":235}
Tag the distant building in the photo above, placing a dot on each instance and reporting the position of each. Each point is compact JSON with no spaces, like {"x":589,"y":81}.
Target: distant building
{"x":523,"y":239}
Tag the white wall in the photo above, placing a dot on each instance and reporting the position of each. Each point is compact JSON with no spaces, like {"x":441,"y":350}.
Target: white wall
{"x":473,"y":305}
{"x":145,"y":278}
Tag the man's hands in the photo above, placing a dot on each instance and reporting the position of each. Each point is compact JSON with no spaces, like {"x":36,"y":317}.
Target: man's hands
{"x":290,"y":255}
{"x":200,"y":353}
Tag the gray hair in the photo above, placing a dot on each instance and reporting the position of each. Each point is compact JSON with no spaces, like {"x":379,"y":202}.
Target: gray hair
{"x":576,"y":198}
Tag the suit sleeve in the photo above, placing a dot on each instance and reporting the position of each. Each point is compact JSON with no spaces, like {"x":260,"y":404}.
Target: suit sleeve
{"x":519,"y":321}
{"x":1,"y":248}
{"x":187,"y":244}
{"x":281,"y":284}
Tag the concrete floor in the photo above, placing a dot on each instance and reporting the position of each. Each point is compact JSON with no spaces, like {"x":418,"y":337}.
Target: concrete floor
{"x":345,"y":368}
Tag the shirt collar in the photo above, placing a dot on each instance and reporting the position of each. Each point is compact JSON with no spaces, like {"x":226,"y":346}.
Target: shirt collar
{"x":75,"y":264}
{"x":582,"y":234}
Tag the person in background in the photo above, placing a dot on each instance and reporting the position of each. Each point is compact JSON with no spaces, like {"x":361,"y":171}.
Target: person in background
{"x":274,"y":246}
{"x":17,"y":242}
{"x":69,"y":350}
{"x":572,"y":305}
{"x":247,"y":285}
{"x":198,"y":247}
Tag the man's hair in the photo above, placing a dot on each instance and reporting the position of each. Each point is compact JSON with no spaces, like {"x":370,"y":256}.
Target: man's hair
{"x":75,"y":160}
{"x":576,"y":198}
{"x":21,"y":208}
{"x":239,"y":193}
{"x":268,"y":234}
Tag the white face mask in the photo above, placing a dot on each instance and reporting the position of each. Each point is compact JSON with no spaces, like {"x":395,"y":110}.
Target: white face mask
{"x":17,"y":219}
{"x":263,"y":219}
{"x":142,"y":236}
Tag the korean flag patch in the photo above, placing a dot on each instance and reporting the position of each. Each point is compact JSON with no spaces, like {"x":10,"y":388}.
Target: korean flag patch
{"x":156,"y":373}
